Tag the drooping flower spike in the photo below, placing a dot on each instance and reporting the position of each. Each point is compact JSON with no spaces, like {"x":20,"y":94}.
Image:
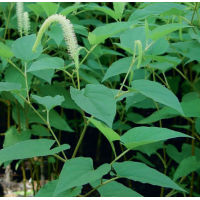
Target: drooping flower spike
{"x":68,"y":33}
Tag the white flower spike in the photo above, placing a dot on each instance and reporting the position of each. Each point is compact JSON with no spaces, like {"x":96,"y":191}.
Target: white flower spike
{"x":19,"y":8}
{"x":68,"y":32}
{"x":26,"y":23}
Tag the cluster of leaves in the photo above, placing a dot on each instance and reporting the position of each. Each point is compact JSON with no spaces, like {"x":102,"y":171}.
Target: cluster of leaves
{"x":139,"y":66}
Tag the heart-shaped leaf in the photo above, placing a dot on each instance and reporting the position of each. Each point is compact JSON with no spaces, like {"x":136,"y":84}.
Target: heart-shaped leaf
{"x":49,"y":102}
{"x":22,"y":48}
{"x":79,"y":171}
{"x":96,"y":100}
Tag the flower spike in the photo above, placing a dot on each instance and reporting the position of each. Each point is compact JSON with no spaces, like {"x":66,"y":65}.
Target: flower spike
{"x":68,"y":33}
{"x":19,"y":8}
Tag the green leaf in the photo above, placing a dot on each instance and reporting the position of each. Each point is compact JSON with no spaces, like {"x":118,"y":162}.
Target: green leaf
{"x":191,"y":109}
{"x":190,"y":97}
{"x":194,"y":35}
{"x":47,"y":63}
{"x":166,"y":29}
{"x":186,"y":166}
{"x":55,"y":120}
{"x":29,"y":149}
{"x":124,"y":47}
{"x":151,"y":148}
{"x":163,"y":67}
{"x":6,"y":86}
{"x":136,"y":98}
{"x":120,"y":98}
{"x":114,"y":189}
{"x":58,"y":89}
{"x":79,"y":171}
{"x":37,"y":9}
{"x":103,"y":32}
{"x":49,"y":7}
{"x":108,"y":132}
{"x":56,"y":34}
{"x":170,"y":59}
{"x":19,"y":116}
{"x":159,"y":47}
{"x":12,"y":136}
{"x":119,"y":7}
{"x":22,"y":48}
{"x":122,"y":66}
{"x":39,"y":131}
{"x":105,"y":9}
{"x":120,"y":126}
{"x":157,"y":92}
{"x":5,"y":52}
{"x":155,"y":9}
{"x":49,"y":102}
{"x":96,"y":100}
{"x":46,"y":74}
{"x":70,"y":9}
{"x":143,"y":174}
{"x":185,"y":153}
{"x":19,"y":79}
{"x":88,"y":77}
{"x":129,"y":37}
{"x":197,"y":125}
{"x":48,"y":190}
{"x":164,"y":113}
{"x":140,"y":157}
{"x":134,"y":117}
{"x":145,"y":135}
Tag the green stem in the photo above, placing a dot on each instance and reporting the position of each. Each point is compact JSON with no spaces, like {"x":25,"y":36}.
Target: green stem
{"x":188,"y":23}
{"x":167,"y":84}
{"x":172,"y":192}
{"x":119,"y":156}
{"x":119,"y":95}
{"x":48,"y":125}
{"x":132,"y":63}
{"x":60,"y":158}
{"x":193,"y":154}
{"x":81,"y":138}
{"x":78,"y":78}
{"x":194,"y":12}
{"x":7,"y":21}
{"x":24,"y":177}
{"x":26,"y":81}
{"x":100,"y":186}
{"x":198,"y":14}
{"x":16,"y":67}
{"x":164,"y":164}
{"x":92,"y":48}
{"x":189,"y":4}
{"x":187,"y":79}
